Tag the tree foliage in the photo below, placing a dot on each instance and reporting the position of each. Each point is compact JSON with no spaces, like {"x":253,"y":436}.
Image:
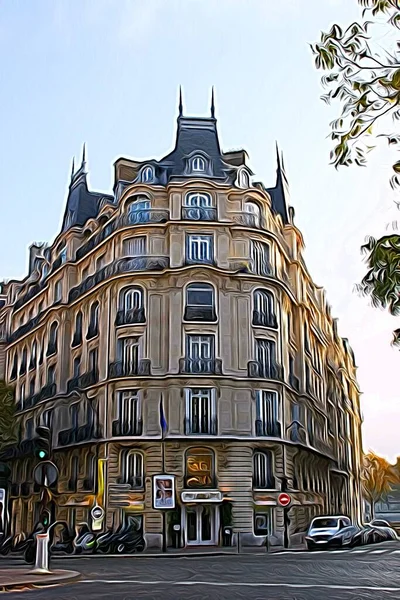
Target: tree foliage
{"x":378,"y":478}
{"x":8,"y":422}
{"x":365,"y":80}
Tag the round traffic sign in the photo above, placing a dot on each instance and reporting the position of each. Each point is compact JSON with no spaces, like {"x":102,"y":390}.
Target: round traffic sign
{"x":45,"y":474}
{"x":97,"y":512}
{"x":284,"y":499}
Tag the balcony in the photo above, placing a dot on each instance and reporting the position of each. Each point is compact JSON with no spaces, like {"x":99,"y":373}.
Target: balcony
{"x":294,"y":382}
{"x":47,"y":391}
{"x":80,"y":434}
{"x":122,"y":265}
{"x":248,"y":220}
{"x":201,"y":213}
{"x":33,"y":291}
{"x":96,"y":240}
{"x":263,"y":268}
{"x":261,"y":319}
{"x":130,"y":317}
{"x":83,"y":381}
{"x":26,"y":328}
{"x":201,"y":426}
{"x":151,"y":215}
{"x":200,"y":366}
{"x":268,"y":429}
{"x":120,"y":369}
{"x":272,"y":371}
{"x":200,"y":313}
{"x":122,"y":428}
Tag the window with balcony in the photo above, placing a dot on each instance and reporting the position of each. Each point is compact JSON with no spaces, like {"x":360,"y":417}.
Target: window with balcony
{"x":32,"y":386}
{"x":93,"y":329}
{"x":243,"y":179}
{"x":198,"y":164}
{"x":310,"y":428}
{"x":134,"y":247}
{"x":267,"y":414}
{"x":47,"y":418}
{"x":58,"y":291}
{"x":147,"y":174}
{"x":200,"y":353}
{"x":129,"y":420}
{"x":200,"y":302}
{"x":22,"y":394}
{"x":77,"y":339}
{"x":77,"y":366}
{"x":74,"y":473}
{"x":51,"y":375}
{"x":14,"y":369}
{"x":100,"y":262}
{"x":264,"y":309}
{"x":132,"y":469}
{"x":33,"y":359}
{"x":266,"y":359}
{"x":253,"y":213}
{"x":131,"y":306}
{"x":198,"y":207}
{"x":139,"y":210}
{"x":93,"y":360}
{"x":200,"y":468}
{"x":53,"y":339}
{"x":29,"y":425}
{"x":263,"y":474}
{"x":260,"y":258}
{"x":24,"y":359}
{"x":128,"y":355}
{"x":201,"y":417}
{"x":199,"y":249}
{"x":74,"y":416}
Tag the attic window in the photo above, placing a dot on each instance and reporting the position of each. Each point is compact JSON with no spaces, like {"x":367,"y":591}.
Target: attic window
{"x":244,"y":180}
{"x":198,"y":164}
{"x":147,"y":174}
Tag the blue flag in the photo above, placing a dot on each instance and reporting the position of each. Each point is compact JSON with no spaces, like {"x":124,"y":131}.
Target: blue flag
{"x":163,"y":421}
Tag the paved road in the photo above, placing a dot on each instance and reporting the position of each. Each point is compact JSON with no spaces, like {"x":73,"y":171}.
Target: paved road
{"x":370,"y":573}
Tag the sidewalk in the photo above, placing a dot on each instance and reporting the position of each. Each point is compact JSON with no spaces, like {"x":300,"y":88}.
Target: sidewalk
{"x":17,"y":578}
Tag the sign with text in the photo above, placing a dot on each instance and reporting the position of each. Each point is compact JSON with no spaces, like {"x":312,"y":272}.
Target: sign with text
{"x":164,"y":491}
{"x":201,"y":496}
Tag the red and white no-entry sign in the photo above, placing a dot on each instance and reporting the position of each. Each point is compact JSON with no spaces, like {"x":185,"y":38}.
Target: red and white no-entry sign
{"x":284,"y":499}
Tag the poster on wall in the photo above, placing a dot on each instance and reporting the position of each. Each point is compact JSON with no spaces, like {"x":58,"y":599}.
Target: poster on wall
{"x":163,"y":491}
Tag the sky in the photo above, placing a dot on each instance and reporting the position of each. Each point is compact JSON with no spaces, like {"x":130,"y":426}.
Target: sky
{"x":107,"y":72}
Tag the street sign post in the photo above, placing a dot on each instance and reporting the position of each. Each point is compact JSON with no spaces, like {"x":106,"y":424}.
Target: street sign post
{"x":45,"y":474}
{"x":284,"y":499}
{"x":97,"y":512}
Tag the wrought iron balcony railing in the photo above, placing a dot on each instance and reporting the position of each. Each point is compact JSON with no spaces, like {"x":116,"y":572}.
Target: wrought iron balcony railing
{"x":122,"y":428}
{"x":268,"y":428}
{"x":151,"y":215}
{"x":79,"y":434}
{"x":267,"y":371}
{"x":83,"y":381}
{"x":201,"y":425}
{"x":33,"y":291}
{"x":201,"y":213}
{"x":130,"y":317}
{"x":120,"y":369}
{"x":200,"y":366}
{"x":200,"y":313}
{"x":96,"y":240}
{"x":261,"y":319}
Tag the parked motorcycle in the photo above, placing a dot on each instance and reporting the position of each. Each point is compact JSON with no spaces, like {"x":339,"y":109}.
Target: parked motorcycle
{"x":85,"y":541}
{"x":64,"y":543}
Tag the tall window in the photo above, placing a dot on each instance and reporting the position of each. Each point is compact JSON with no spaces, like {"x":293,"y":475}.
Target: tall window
{"x":29,"y":423}
{"x":74,"y":474}
{"x":78,"y":329}
{"x":254,"y":212}
{"x":135,"y":246}
{"x":24,"y":359}
{"x":51,"y":375}
{"x":200,"y":411}
{"x":244,"y":180}
{"x":198,"y":164}
{"x":260,"y":258}
{"x":263,"y":477}
{"x":52,"y":344}
{"x":138,"y":210}
{"x":264,"y":310}
{"x":32,"y":363}
{"x":77,"y":366}
{"x":131,"y":299}
{"x":32,"y":386}
{"x":14,"y":369}
{"x":132,"y":469}
{"x":266,"y":358}
{"x":47,"y":418}
{"x":197,"y":200}
{"x":93,"y":360}
{"x":74,"y":415}
{"x":200,"y":248}
{"x":93,"y":328}
{"x":58,"y":291}
{"x":22,"y":393}
{"x":129,"y":354}
{"x":200,"y":350}
{"x":100,"y":262}
{"x":200,"y":468}
{"x":200,"y":303}
{"x":129,"y":413}
{"x":147,"y":174}
{"x":267,"y":423}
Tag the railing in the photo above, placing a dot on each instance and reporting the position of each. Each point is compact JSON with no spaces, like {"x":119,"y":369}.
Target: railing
{"x":200,"y":366}
{"x":199,"y":261}
{"x":130,"y":317}
{"x":83,"y":381}
{"x":264,"y":269}
{"x":80,"y":434}
{"x":268,"y":429}
{"x":121,"y":428}
{"x":201,"y":426}
{"x":48,"y":391}
{"x":200,"y":313}
{"x":33,"y":291}
{"x":122,"y":265}
{"x":199,"y":213}
{"x":120,"y":369}
{"x":248,"y":220}
{"x":262,"y":319}
{"x":272,"y":371}
{"x":97,"y":239}
{"x":150,"y":215}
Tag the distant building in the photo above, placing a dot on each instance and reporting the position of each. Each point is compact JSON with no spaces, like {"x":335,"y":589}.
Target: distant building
{"x":172,"y":328}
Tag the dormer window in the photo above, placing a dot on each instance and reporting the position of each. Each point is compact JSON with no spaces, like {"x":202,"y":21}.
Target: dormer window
{"x":147,"y":174}
{"x":244,"y":179}
{"x":198,"y":164}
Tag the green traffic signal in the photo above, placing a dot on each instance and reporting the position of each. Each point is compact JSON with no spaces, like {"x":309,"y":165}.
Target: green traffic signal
{"x":42,"y":454}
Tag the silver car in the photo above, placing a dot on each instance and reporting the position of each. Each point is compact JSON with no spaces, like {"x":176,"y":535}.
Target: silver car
{"x":323,"y":531}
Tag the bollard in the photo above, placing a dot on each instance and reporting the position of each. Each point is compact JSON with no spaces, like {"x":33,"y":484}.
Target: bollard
{"x":42,"y":554}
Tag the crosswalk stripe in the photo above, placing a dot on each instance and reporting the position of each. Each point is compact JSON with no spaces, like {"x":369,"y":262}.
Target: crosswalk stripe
{"x":358,"y":551}
{"x":396,"y":552}
{"x":378,"y":551}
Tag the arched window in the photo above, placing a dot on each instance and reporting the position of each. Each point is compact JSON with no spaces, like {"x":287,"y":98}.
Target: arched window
{"x":244,"y":180}
{"x":254,"y":214}
{"x":138,"y":209}
{"x":32,"y":363}
{"x":263,"y":476}
{"x":93,"y":328}
{"x":131,"y":309}
{"x":198,"y":164}
{"x":264,"y":309}
{"x":132,"y":468}
{"x":197,"y":200}
{"x":24,"y":358}
{"x":52,"y":343}
{"x":199,"y":468}
{"x":200,"y":302}
{"x":78,"y":329}
{"x":147,"y":174}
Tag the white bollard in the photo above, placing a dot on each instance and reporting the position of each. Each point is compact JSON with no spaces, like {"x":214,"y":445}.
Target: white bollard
{"x":42,"y":554}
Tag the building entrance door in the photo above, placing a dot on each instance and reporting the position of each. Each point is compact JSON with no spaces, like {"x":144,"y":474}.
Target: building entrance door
{"x":201,"y":525}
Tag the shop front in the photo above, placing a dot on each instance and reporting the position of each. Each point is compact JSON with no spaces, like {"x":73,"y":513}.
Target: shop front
{"x":201,"y":517}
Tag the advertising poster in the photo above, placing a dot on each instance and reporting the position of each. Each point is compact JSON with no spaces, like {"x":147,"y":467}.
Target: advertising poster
{"x":163,"y":491}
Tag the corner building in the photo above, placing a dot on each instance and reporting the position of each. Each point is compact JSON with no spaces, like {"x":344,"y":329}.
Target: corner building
{"x":183,"y":299}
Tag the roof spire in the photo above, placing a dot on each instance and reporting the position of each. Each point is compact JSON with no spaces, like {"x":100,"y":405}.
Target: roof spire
{"x":278,"y":158}
{"x":73,"y":168}
{"x":83,"y":163}
{"x":180,"y":102}
{"x":212,"y":103}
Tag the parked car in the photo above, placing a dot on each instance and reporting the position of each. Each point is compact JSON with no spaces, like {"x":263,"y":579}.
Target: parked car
{"x":375,"y":532}
{"x":331,"y":532}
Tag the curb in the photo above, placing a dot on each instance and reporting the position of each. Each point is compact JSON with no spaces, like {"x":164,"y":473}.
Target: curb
{"x":27,"y":579}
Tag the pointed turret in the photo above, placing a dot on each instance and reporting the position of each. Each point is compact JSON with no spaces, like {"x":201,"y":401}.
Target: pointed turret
{"x":180,"y":102}
{"x":212,"y":103}
{"x":280,"y":193}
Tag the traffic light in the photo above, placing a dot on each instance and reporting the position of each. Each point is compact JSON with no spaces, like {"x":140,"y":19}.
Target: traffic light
{"x":43,"y":443}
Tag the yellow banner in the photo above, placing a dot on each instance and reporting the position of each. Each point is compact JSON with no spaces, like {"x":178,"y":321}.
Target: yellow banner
{"x":100,"y":482}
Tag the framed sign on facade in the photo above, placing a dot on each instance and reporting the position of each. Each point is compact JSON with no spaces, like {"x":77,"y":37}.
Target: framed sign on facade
{"x":164,"y":491}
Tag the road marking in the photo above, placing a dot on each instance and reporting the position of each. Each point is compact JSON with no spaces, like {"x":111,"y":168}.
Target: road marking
{"x":359,"y":551}
{"x":379,"y":551}
{"x":395,"y":551}
{"x":246,"y":584}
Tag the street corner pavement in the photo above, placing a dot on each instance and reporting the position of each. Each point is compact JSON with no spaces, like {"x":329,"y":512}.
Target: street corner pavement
{"x":20,"y":578}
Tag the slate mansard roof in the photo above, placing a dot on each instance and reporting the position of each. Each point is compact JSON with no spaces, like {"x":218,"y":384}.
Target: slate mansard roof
{"x":196,"y":136}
